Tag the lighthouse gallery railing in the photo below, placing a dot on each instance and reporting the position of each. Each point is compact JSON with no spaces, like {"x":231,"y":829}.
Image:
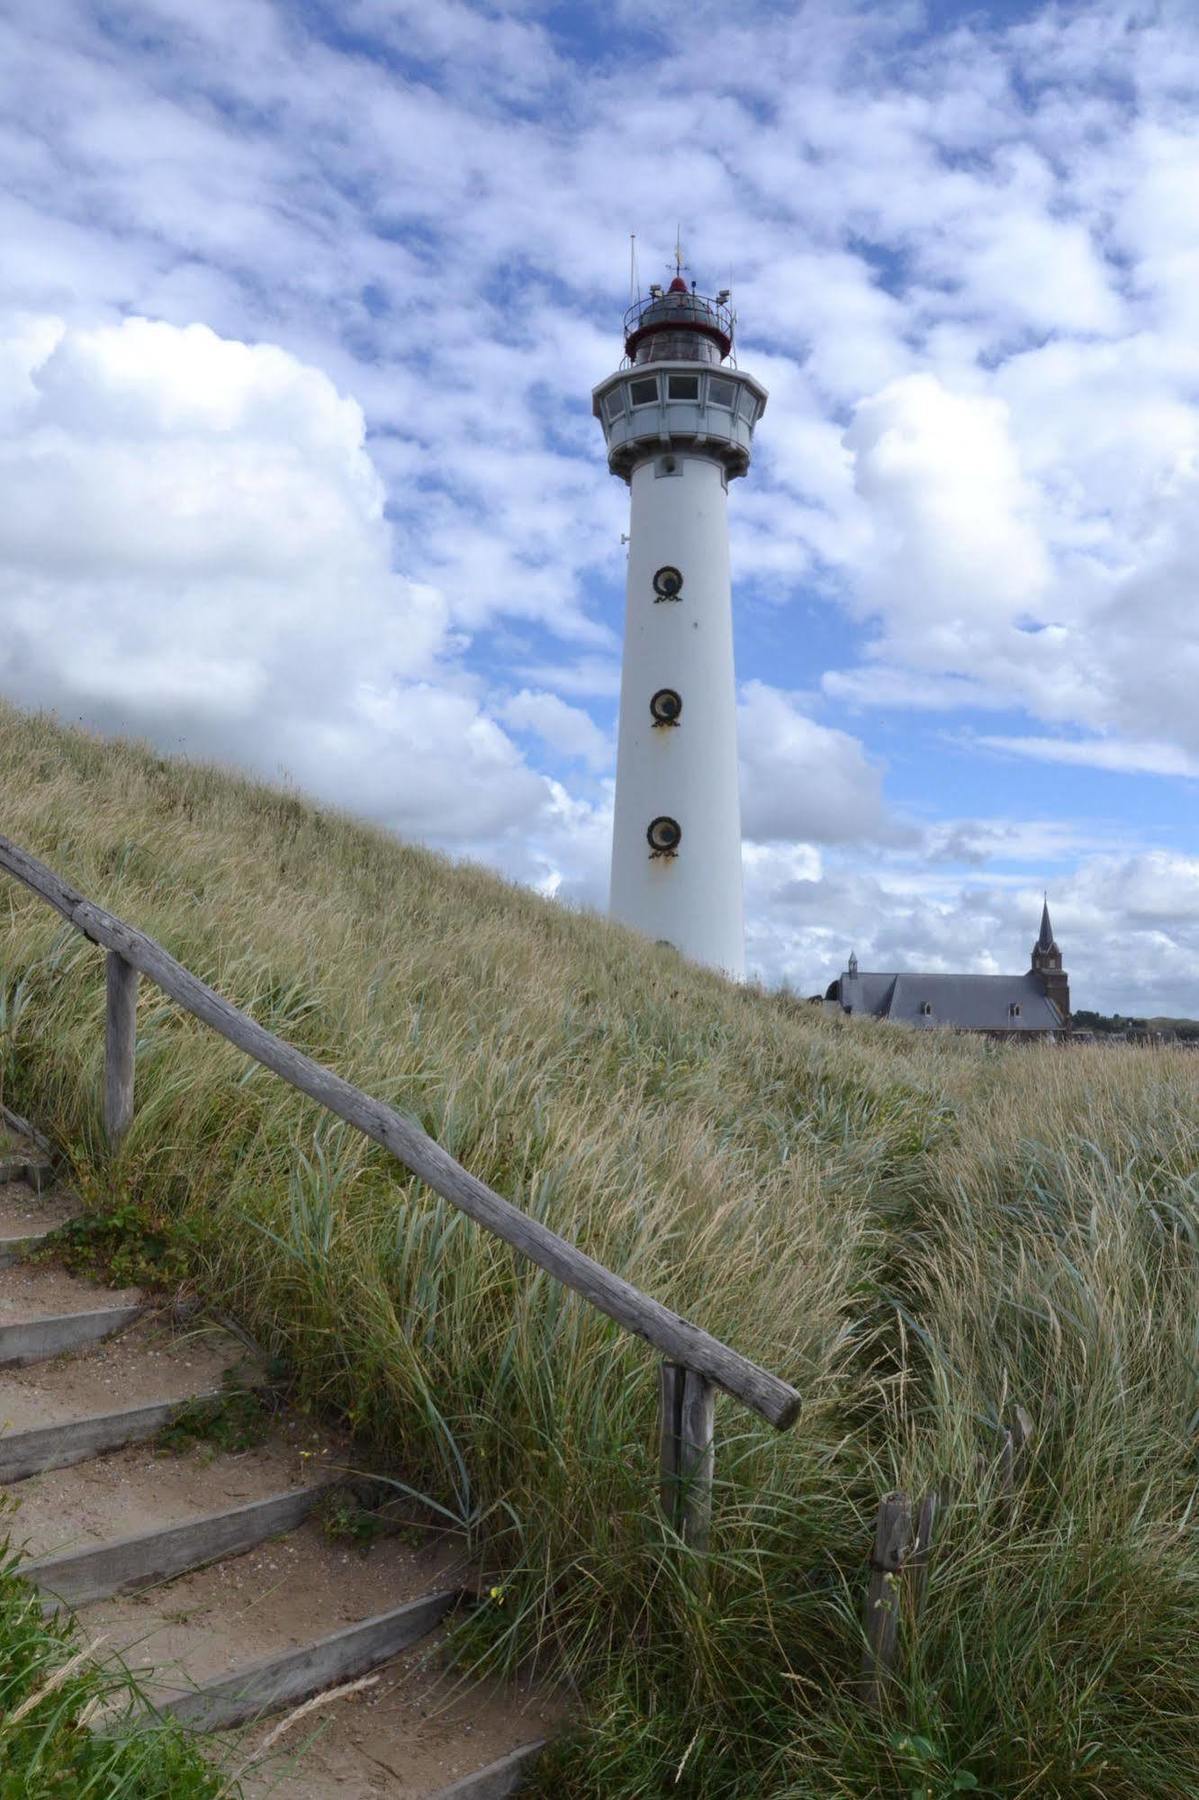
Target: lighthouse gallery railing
{"x":694,"y":1361}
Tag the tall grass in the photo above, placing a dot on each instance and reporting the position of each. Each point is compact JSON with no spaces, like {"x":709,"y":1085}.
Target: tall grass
{"x":917,"y":1231}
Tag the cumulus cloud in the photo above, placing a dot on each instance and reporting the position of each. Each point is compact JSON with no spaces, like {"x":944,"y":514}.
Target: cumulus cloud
{"x":193,"y":546}
{"x":567,"y":729}
{"x":954,"y":547}
{"x":801,"y":780}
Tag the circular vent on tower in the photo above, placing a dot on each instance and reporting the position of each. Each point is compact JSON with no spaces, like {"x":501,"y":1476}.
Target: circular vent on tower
{"x":668,"y":584}
{"x":666,"y":707}
{"x":665,"y":835}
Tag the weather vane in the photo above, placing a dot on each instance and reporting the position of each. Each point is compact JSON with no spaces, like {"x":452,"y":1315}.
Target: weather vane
{"x":679,"y":264}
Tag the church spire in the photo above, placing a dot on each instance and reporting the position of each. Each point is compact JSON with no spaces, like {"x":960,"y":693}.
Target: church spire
{"x":1047,"y":963}
{"x":1046,"y":941}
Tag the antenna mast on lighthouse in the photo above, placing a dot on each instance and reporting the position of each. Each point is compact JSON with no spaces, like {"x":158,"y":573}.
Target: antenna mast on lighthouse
{"x":678,"y":420}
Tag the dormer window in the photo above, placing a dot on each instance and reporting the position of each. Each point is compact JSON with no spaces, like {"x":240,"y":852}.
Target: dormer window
{"x":926,"y":1008}
{"x":1013,"y":1011}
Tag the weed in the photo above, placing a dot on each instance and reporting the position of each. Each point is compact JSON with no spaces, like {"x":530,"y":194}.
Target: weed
{"x":344,"y":1520}
{"x":129,"y":1244}
{"x":50,"y":1686}
{"x":240,"y":1418}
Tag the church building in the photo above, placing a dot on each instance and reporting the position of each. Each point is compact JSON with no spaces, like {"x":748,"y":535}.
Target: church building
{"x":1035,"y":1004}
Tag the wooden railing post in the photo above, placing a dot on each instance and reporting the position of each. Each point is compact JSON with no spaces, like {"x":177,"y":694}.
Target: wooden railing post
{"x":688,"y":1454}
{"x":892,"y":1544}
{"x":120,"y":1037}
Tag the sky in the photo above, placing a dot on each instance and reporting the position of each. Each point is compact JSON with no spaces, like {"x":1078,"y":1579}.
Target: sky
{"x":301,"y":305}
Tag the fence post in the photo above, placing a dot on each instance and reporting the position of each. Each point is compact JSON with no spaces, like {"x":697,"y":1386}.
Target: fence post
{"x":688,"y":1453}
{"x":120,"y":1037}
{"x":892,"y":1541}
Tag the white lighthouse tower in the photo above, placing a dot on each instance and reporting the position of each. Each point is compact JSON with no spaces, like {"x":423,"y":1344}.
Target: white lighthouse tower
{"x":678,"y":419}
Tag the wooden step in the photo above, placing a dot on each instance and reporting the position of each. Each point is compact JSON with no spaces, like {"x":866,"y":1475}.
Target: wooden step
{"x":92,"y":1574}
{"x":16,"y":1249}
{"x":276,"y":1681}
{"x":25,"y":1166}
{"x":45,"y":1312}
{"x":498,"y":1779}
{"x":419,"y":1726}
{"x":285,"y":1618}
{"x":153,"y":1361}
{"x":36,"y":1340}
{"x":32,"y":1452}
{"x":27,"y":1219}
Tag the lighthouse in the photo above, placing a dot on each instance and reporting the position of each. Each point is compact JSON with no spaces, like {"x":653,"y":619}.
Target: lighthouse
{"x":678,"y":419}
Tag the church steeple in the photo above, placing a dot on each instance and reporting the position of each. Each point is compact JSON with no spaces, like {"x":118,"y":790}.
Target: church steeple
{"x":1045,"y":942}
{"x":1047,"y":963}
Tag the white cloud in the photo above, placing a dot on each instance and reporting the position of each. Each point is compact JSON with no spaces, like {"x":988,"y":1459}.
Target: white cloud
{"x":193,"y":546}
{"x":1099,"y":753}
{"x":956,"y":552}
{"x":567,"y":729}
{"x":801,"y":780}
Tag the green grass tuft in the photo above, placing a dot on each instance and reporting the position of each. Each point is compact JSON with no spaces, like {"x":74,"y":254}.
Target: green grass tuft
{"x":49,"y":1690}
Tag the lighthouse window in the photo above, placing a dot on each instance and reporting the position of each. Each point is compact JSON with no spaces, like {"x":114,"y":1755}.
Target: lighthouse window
{"x":747,"y":406}
{"x":665,"y":835}
{"x":721,"y":393}
{"x":683,"y":387}
{"x":668,"y":583}
{"x":643,"y":393}
{"x":666,"y":707}
{"x":614,"y":404}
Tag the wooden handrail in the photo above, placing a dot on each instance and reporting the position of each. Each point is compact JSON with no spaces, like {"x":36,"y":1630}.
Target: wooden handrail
{"x":676,"y":1338}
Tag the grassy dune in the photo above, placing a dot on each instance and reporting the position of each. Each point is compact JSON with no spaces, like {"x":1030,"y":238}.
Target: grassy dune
{"x":919,"y":1232}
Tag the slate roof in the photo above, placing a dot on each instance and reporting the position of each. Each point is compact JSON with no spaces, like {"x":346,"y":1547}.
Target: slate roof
{"x":969,"y":1002}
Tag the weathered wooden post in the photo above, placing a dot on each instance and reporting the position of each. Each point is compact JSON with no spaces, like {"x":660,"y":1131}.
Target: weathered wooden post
{"x":120,"y":1037}
{"x":892,"y":1541}
{"x":688,"y":1455}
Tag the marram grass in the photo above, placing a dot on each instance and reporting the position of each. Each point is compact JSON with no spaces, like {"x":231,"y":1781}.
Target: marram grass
{"x":919,"y":1232}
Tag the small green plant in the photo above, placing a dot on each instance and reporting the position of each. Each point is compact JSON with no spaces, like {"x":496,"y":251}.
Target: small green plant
{"x":345,"y":1520}
{"x":923,"y":1765}
{"x":238,"y":1419}
{"x":129,"y":1244}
